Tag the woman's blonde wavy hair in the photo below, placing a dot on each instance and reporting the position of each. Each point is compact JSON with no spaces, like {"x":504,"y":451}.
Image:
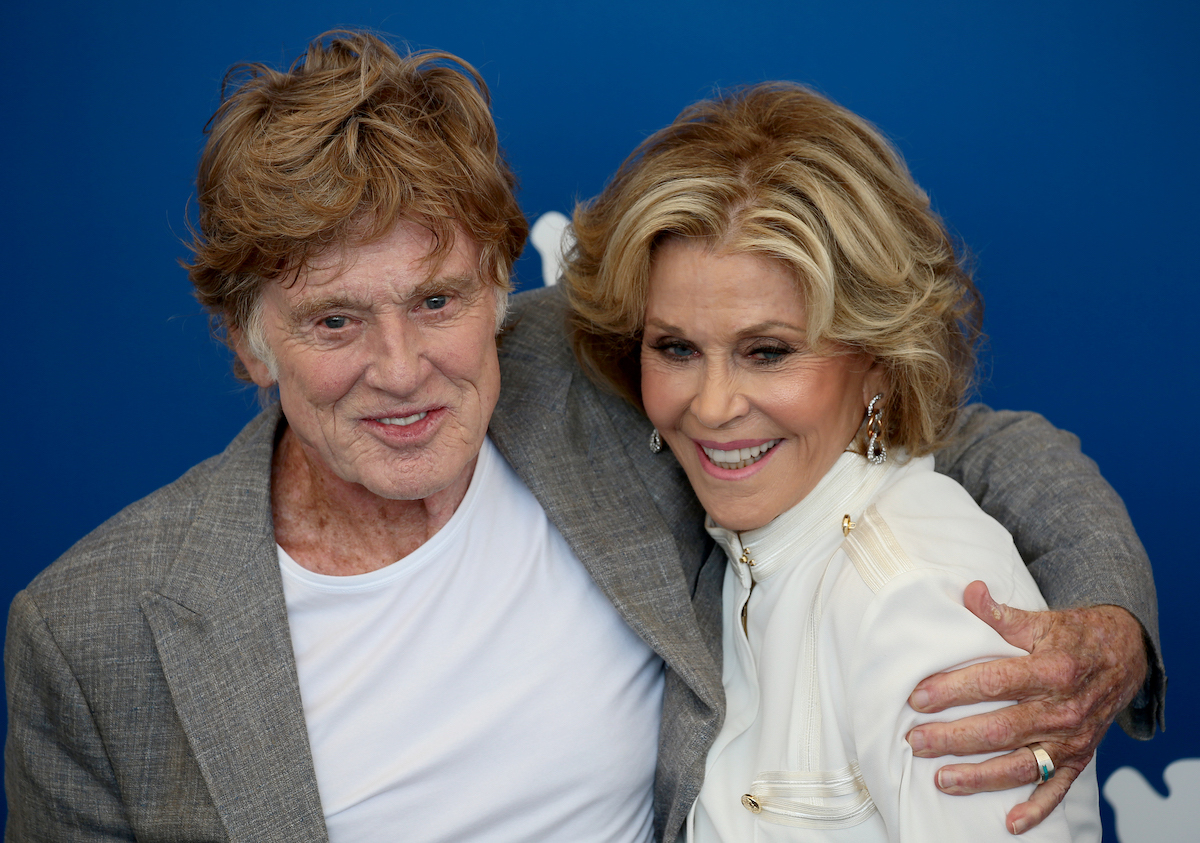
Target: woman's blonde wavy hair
{"x":779,"y":171}
{"x":350,"y":140}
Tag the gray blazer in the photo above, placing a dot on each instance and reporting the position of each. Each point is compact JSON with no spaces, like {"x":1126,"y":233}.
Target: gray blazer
{"x":151,"y":684}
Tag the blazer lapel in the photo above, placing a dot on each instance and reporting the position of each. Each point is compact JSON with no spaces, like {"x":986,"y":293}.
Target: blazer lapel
{"x":220,"y":627}
{"x":630,"y":517}
{"x":562,"y":444}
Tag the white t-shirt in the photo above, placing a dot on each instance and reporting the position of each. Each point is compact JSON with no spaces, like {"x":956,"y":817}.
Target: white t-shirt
{"x":482,"y":688}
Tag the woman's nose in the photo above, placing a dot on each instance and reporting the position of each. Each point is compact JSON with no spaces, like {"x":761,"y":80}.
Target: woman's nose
{"x":719,"y":400}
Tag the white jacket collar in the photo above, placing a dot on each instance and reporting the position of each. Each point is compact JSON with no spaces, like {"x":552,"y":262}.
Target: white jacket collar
{"x":844,"y":490}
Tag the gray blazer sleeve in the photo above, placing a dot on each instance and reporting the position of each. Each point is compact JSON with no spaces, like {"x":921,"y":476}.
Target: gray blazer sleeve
{"x":60,"y":783}
{"x":1069,"y":525}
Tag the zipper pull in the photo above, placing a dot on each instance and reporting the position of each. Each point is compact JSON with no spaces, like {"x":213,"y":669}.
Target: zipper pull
{"x":749,"y":563}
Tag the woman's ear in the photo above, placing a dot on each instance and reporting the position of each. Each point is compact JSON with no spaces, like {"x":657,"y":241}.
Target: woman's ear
{"x":874,"y":382}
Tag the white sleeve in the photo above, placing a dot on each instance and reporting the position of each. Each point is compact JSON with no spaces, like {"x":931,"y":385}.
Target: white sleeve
{"x":916,"y":626}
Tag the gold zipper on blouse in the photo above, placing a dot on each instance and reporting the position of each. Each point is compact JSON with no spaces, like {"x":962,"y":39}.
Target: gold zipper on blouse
{"x":748,"y":562}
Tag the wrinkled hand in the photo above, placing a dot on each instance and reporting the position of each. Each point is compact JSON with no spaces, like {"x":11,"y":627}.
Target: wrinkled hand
{"x":1083,"y":668}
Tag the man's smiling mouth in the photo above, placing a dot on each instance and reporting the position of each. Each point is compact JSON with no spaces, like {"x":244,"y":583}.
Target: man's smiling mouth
{"x":406,"y":420}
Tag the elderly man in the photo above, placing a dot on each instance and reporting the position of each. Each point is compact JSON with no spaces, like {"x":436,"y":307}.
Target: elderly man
{"x":407,"y":604}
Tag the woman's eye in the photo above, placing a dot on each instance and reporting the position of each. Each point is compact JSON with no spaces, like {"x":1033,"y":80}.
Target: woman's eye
{"x":335,"y":322}
{"x":676,"y":350}
{"x":769,"y":353}
{"x":436,"y":302}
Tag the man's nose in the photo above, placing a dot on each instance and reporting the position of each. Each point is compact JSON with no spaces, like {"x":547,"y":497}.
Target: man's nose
{"x":719,"y":398}
{"x":397,"y":356}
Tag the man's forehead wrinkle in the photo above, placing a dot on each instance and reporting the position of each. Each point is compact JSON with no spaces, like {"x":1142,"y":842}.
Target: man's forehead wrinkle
{"x":338,"y":255}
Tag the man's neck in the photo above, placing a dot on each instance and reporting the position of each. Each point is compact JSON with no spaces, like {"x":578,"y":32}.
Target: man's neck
{"x":331,"y":526}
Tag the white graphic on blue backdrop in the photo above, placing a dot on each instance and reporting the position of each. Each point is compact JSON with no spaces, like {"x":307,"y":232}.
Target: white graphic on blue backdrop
{"x":1143,"y":816}
{"x":552,"y":239}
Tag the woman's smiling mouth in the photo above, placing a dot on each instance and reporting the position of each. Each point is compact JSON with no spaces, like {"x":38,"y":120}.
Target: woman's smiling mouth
{"x":740,"y":457}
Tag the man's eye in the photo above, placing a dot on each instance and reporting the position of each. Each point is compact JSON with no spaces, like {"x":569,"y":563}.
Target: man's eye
{"x":335,"y":322}
{"x":436,"y":302}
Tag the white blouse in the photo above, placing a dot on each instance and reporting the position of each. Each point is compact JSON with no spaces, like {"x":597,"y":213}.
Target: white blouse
{"x":825,"y":636}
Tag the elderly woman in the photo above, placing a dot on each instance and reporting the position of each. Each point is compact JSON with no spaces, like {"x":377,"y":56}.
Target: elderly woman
{"x":807,"y":337}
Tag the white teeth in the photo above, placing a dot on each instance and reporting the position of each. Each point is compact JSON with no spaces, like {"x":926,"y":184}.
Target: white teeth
{"x":415,"y":417}
{"x":741,"y":457}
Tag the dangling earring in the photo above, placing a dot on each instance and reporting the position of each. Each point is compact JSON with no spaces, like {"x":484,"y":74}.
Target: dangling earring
{"x":655,"y":441}
{"x":876,"y":450}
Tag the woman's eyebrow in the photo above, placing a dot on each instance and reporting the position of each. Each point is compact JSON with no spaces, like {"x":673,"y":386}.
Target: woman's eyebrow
{"x":748,"y":331}
{"x":768,"y":326}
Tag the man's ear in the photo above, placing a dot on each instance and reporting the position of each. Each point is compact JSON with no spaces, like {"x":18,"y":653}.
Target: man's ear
{"x":258,"y":370}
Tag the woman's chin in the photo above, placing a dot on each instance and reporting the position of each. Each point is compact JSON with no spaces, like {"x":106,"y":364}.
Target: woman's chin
{"x":739,"y":517}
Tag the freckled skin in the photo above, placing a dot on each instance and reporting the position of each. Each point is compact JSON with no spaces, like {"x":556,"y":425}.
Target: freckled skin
{"x":375,"y":331}
{"x":1085,"y":665}
{"x":725,"y":359}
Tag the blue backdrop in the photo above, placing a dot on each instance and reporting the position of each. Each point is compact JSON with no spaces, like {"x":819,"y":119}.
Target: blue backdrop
{"x":1056,"y":137}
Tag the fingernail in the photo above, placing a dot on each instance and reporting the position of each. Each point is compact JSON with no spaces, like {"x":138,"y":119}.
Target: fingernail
{"x":947,"y":779}
{"x":920,"y":700}
{"x":916,"y":739}
{"x":1019,"y":826}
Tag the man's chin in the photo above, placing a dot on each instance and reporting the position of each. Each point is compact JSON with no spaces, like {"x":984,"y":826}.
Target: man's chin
{"x":420,"y":482}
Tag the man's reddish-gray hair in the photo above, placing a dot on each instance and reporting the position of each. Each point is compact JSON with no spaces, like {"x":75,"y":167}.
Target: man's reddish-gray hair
{"x":349,"y":141}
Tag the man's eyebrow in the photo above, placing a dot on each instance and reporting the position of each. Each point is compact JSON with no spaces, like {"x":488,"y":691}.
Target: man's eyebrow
{"x":303,"y":311}
{"x":466,"y":285}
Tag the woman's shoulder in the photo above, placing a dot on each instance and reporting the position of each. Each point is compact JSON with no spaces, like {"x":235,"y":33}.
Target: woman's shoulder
{"x":924,"y":524}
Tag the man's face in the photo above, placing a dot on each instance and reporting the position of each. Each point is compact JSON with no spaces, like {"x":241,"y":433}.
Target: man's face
{"x":387,"y":368}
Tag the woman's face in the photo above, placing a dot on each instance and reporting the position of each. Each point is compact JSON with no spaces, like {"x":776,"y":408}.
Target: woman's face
{"x":753,"y":415}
